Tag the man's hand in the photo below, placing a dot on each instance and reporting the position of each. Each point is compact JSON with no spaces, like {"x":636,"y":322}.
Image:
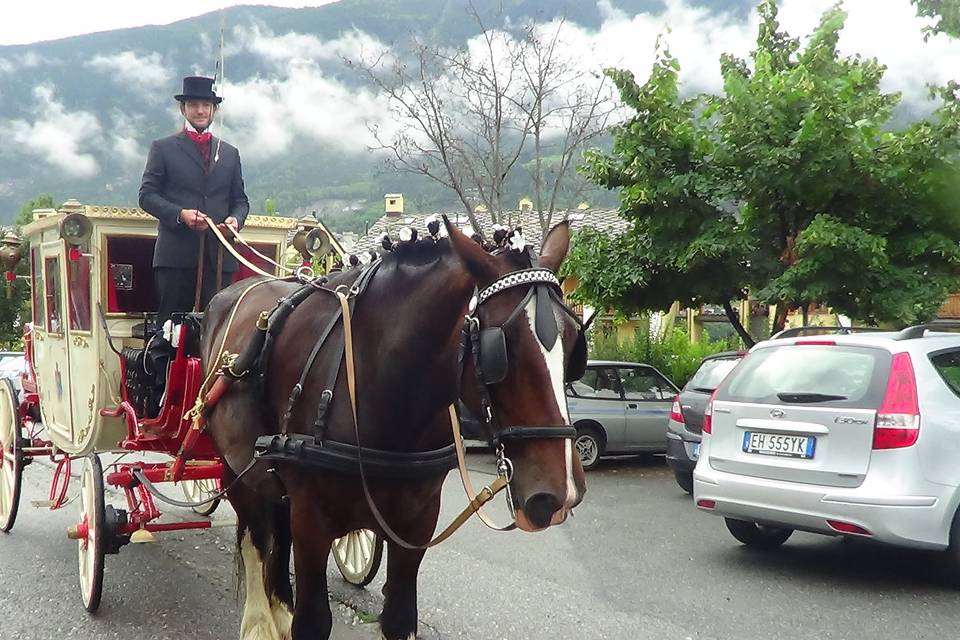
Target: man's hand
{"x":229,"y":228}
{"x":193,"y":219}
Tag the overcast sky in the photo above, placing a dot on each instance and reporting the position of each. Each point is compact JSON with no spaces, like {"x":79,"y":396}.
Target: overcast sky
{"x":36,"y":20}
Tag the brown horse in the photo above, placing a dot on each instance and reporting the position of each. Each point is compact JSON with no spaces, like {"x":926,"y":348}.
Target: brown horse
{"x":407,"y":328}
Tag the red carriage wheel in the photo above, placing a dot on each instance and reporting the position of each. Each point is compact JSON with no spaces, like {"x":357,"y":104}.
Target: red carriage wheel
{"x":11,"y":471}
{"x":91,"y":533}
{"x":358,"y":556}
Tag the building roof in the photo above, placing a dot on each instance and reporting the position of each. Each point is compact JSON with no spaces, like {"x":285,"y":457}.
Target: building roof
{"x":601,"y":219}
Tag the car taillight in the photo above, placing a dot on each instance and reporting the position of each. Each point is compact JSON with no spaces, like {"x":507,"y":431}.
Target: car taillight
{"x":707,"y":426}
{"x":898,"y":418}
{"x":675,"y":413}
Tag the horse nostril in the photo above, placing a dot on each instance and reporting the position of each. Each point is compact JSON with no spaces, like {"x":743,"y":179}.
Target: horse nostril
{"x":540,"y":507}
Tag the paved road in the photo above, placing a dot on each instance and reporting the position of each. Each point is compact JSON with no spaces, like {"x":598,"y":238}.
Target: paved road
{"x":637,"y":561}
{"x":182,"y":587}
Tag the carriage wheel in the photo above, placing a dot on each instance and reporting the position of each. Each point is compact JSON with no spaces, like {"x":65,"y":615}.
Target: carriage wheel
{"x":358,"y":556}
{"x":11,"y":471}
{"x":198,"y":490}
{"x":93,"y":531}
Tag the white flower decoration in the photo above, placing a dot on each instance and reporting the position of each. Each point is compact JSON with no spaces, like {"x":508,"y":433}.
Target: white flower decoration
{"x":406,"y":234}
{"x":517,"y":241}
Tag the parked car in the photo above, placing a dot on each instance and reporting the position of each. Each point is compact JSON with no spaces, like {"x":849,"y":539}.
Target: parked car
{"x":12,"y":364}
{"x":619,"y":408}
{"x":686,"y":415}
{"x":852,"y":435}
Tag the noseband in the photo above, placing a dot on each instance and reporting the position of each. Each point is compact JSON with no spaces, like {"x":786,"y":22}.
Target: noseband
{"x":488,"y":348}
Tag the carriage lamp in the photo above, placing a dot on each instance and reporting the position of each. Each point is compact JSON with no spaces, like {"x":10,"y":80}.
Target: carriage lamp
{"x":10,"y":255}
{"x":75,"y":229}
{"x":312,"y":244}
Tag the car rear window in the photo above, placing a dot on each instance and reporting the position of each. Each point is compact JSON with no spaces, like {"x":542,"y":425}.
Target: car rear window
{"x":711,"y":373}
{"x":948,"y":366}
{"x":853,"y":376}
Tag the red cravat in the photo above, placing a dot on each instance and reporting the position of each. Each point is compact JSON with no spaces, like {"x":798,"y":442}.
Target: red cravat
{"x":199,"y":137}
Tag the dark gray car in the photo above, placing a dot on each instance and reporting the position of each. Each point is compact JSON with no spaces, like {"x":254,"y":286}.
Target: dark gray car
{"x":686,"y":415}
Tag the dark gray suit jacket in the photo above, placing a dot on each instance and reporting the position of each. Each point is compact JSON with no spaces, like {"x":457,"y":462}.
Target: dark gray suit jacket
{"x":174,"y":180}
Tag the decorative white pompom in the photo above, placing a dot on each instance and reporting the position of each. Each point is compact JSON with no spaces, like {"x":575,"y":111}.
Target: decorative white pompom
{"x":407,"y":234}
{"x":517,"y":241}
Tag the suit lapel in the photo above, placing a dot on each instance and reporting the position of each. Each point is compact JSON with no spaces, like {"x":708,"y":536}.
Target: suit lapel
{"x":190,"y":148}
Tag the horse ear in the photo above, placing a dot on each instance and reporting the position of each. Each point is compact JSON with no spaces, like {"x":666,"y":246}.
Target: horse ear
{"x":555,"y":247}
{"x":478,"y":262}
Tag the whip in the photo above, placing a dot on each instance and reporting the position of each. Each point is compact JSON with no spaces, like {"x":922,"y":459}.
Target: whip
{"x":219,"y":76}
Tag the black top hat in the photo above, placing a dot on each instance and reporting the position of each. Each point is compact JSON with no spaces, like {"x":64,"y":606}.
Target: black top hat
{"x":198,"y":88}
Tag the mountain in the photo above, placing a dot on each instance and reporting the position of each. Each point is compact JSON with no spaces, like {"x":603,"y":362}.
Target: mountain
{"x":77,"y":114}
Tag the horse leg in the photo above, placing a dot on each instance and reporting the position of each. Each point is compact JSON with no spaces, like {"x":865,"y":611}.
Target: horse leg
{"x":264,"y":558}
{"x":312,"y":618}
{"x":398,"y":620}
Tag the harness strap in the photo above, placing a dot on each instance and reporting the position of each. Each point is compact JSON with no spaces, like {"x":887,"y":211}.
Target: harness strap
{"x":465,"y":476}
{"x":298,"y":388}
{"x":486,"y":494}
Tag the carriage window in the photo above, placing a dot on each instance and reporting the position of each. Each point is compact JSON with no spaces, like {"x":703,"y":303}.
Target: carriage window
{"x":36,"y":274}
{"x":129,"y":278}
{"x":51,"y":267}
{"x":78,"y":290}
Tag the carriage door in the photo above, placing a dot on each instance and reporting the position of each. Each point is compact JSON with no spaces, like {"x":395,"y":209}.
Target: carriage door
{"x":51,"y":340}
{"x":83,"y":362}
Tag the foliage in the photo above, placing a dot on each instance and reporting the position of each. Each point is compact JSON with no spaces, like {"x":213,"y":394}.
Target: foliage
{"x":794,"y":183}
{"x":946,"y":12}
{"x":682,"y":245}
{"x":675,"y":356}
{"x":15,"y":309}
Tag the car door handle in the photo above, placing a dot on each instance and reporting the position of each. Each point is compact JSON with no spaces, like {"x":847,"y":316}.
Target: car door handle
{"x":632,"y":405}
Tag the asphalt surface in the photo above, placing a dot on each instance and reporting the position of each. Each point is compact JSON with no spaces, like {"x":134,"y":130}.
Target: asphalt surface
{"x":636,"y":561}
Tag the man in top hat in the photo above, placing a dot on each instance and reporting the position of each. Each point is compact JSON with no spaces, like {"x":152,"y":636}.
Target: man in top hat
{"x":191,"y":178}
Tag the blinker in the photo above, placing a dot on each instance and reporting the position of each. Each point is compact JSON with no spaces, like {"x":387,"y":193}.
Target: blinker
{"x":493,"y":355}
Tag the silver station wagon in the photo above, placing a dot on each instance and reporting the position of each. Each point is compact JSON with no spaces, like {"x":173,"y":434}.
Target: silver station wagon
{"x":853,"y":435}
{"x":619,"y":408}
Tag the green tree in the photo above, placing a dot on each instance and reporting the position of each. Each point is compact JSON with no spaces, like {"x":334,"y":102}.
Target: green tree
{"x":269,"y":208}
{"x":794,"y":183}
{"x":15,"y":309}
{"x":946,"y":12}
{"x":684,"y":243}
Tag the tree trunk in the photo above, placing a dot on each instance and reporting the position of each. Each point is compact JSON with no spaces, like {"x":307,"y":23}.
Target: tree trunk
{"x":780,"y":317}
{"x":737,"y":325}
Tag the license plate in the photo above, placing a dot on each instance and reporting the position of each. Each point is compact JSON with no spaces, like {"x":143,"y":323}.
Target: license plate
{"x":775,"y":444}
{"x":696,"y":451}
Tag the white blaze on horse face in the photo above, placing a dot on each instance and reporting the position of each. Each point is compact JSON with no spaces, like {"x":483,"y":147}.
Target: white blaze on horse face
{"x":554,"y":361}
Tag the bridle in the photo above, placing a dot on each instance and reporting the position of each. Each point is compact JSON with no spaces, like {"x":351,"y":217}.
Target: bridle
{"x":488,"y":348}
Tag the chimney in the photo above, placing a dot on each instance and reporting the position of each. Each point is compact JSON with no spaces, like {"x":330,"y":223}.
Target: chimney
{"x":393,"y":204}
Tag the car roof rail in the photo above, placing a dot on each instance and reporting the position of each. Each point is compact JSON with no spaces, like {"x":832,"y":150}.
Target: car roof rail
{"x":794,"y":332}
{"x":920,"y":330}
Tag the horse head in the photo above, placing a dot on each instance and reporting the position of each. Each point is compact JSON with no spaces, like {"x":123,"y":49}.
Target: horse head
{"x":521,"y":345}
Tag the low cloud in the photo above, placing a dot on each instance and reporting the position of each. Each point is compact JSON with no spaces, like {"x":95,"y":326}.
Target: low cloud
{"x":300,"y":99}
{"x":144,"y":73}
{"x":56,"y":136}
{"x":889,"y":31}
